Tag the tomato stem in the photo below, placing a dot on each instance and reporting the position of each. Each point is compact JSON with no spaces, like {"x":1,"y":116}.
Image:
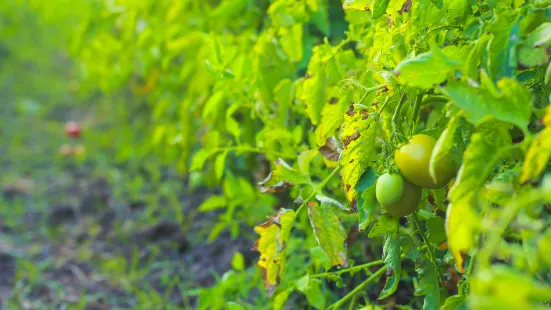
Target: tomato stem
{"x":317,"y":189}
{"x":432,"y":257}
{"x":415,"y":113}
{"x":347,"y":270}
{"x":359,"y":288}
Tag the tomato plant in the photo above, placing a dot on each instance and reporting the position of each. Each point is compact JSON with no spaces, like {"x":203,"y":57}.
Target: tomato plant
{"x":280,"y":88}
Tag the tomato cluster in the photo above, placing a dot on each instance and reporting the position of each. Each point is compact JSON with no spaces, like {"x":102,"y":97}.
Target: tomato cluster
{"x":400,"y":194}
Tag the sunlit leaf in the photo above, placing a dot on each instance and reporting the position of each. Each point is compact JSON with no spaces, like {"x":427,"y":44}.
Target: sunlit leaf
{"x":358,"y":139}
{"x":479,"y":104}
{"x":425,"y":70}
{"x":272,"y":247}
{"x":329,"y":232}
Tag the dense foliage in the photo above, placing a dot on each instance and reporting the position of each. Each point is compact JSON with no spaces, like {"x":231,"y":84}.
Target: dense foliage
{"x":295,"y":108}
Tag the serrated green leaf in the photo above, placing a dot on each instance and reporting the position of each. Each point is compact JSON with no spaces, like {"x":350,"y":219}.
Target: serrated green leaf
{"x":425,"y":70}
{"x":391,"y":257}
{"x":272,"y":246}
{"x":443,"y":146}
{"x":479,"y":104}
{"x":329,"y":232}
{"x":428,"y":285}
{"x":385,"y":224}
{"x":358,"y":138}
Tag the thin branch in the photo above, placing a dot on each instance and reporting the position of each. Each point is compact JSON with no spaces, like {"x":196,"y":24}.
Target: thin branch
{"x":358,"y":288}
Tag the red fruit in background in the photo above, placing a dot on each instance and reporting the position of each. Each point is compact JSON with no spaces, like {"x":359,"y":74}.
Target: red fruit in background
{"x":72,"y":129}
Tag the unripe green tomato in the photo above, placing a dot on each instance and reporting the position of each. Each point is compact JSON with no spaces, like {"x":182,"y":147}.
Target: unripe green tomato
{"x":408,"y":202}
{"x":389,"y":188}
{"x":413,"y":161}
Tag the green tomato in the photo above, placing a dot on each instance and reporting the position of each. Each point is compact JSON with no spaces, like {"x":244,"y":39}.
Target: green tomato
{"x":389,"y":188}
{"x":413,"y":161}
{"x":408,"y":202}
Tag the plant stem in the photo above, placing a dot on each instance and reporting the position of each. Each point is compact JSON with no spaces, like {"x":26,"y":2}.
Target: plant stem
{"x":368,"y":90}
{"x":432,"y":257}
{"x":434,"y":99}
{"x":349,"y":270}
{"x":317,"y":189}
{"x":358,"y":288}
{"x":415,"y":112}
{"x":397,"y":113}
{"x":445,"y":27}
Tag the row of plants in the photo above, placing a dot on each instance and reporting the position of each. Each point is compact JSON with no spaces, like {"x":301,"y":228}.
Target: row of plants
{"x":424,"y":125}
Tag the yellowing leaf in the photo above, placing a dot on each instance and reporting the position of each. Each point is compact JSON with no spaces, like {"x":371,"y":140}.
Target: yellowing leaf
{"x":358,"y":138}
{"x":272,"y":245}
{"x":362,"y":5}
{"x":291,"y":41}
{"x":329,"y":232}
{"x":537,"y":157}
{"x":461,"y":217}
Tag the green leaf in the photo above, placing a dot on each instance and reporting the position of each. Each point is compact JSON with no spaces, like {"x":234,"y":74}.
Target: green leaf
{"x":304,"y":160}
{"x":391,"y":257}
{"x":238,"y":261}
{"x":329,"y":232}
{"x":366,"y":211}
{"x":386,"y":224}
{"x":436,"y":230}
{"x":219,"y":164}
{"x":230,"y":305}
{"x":544,"y":247}
{"x":199,"y":159}
{"x":311,"y":288}
{"x":428,"y":285}
{"x":479,"y":104}
{"x":272,"y":246}
{"x":282,"y":177}
{"x":425,"y":70}
{"x":281,"y":299}
{"x":358,"y":138}
{"x":455,"y":302}
{"x":461,"y":218}
{"x":537,"y":157}
{"x":379,"y":8}
{"x":213,"y":203}
{"x":313,"y":90}
{"x":443,"y":146}
{"x":291,"y":41}
{"x":437,"y":3}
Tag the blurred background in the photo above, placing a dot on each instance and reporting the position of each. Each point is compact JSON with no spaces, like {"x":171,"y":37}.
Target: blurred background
{"x":104,"y":106}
